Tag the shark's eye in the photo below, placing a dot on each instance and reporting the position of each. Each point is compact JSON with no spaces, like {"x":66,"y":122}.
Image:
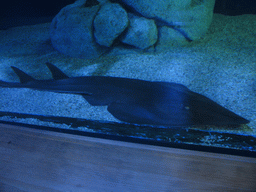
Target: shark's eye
{"x":187,"y":107}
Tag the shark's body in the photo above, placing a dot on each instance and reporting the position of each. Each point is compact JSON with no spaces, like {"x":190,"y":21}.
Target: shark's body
{"x":136,"y":101}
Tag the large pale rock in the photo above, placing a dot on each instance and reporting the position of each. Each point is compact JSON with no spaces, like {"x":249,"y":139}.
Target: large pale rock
{"x":87,"y":28}
{"x":109,"y":23}
{"x":71,"y":30}
{"x":170,"y":37}
{"x":142,"y":32}
{"x":191,"y":16}
{"x":161,"y":10}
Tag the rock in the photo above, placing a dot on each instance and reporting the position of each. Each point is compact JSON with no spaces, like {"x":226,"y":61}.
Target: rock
{"x":169,"y":37}
{"x":142,"y":33}
{"x":109,"y":23}
{"x":160,"y":10}
{"x":191,"y":16}
{"x":71,"y":30}
{"x":87,"y":28}
{"x":199,"y":19}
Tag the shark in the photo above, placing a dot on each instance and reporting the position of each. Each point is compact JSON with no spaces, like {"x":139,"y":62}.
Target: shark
{"x":135,"y":101}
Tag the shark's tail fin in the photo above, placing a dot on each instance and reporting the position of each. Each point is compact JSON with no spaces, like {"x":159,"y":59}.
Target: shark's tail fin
{"x":24,"y":77}
{"x":57,"y":74}
{"x":11,"y":84}
{"x":4,"y":84}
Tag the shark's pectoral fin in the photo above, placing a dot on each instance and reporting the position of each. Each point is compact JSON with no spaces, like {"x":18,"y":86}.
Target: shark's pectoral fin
{"x":97,"y":100}
{"x":140,"y":114}
{"x":132,"y":113}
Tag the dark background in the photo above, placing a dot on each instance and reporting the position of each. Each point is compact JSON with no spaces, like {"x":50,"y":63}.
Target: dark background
{"x":12,"y":12}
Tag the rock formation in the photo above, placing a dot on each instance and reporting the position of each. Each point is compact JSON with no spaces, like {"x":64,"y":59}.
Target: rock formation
{"x":88,"y":28}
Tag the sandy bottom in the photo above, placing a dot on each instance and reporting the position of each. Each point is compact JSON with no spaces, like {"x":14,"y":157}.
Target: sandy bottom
{"x":221,"y":66}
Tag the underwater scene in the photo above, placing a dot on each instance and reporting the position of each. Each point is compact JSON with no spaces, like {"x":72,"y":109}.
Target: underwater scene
{"x":171,"y":72}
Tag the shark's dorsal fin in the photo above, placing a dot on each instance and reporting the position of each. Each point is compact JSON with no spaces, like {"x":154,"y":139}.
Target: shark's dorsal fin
{"x":57,"y":74}
{"x":24,"y":77}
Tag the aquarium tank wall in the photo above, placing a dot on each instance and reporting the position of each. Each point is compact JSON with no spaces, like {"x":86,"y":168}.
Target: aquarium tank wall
{"x":173,"y":72}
